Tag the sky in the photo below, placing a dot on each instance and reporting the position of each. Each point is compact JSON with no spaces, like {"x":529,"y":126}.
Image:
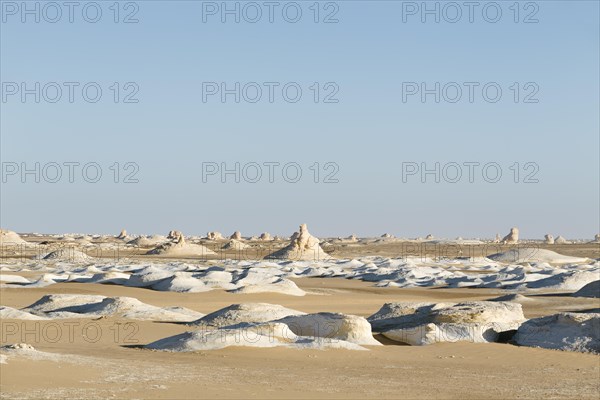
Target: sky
{"x":362,"y":117}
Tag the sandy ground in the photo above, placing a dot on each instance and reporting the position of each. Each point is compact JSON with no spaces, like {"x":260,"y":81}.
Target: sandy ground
{"x":84,"y":363}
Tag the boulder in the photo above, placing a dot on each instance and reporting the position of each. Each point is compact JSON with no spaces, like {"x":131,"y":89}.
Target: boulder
{"x":564,"y":331}
{"x":350,"y":328}
{"x":426,"y":323}
{"x":549,"y":239}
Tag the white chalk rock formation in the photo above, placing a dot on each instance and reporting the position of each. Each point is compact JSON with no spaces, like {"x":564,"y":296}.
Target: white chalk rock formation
{"x":97,"y":306}
{"x":352,"y":238}
{"x":174,"y":235}
{"x":567,"y":281}
{"x":515,"y":297}
{"x":181,"y":249}
{"x":122,"y":235}
{"x":274,"y":285}
{"x":10,"y":238}
{"x":148,"y":276}
{"x":303,"y":246}
{"x":265,"y":236}
{"x":592,"y":289}
{"x":13,"y":313}
{"x":214,"y":236}
{"x":54,"y":302}
{"x":246,"y":313}
{"x":181,"y":282}
{"x":68,"y":254}
{"x":429,"y":237}
{"x":387,"y":236}
{"x":597,"y":238}
{"x":235,"y":244}
{"x":350,"y":328}
{"x":426,"y":323}
{"x":549,"y":239}
{"x":498,"y":239}
{"x":512,"y":237}
{"x":132,"y":308}
{"x":268,"y":334}
{"x":561,"y":240}
{"x":565,"y":331}
{"x":236,"y":236}
{"x":147,"y":241}
{"x":13,"y":279}
{"x":532,"y":254}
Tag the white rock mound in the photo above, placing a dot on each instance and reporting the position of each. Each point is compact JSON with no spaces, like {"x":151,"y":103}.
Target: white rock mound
{"x":68,"y":306}
{"x":236,"y":236}
{"x":570,"y":280}
{"x":592,"y":290}
{"x":246,"y":313}
{"x":147,"y":241}
{"x":265,"y":236}
{"x":512,"y":237}
{"x":69,"y":254}
{"x":183,"y":282}
{"x":174,"y":235}
{"x":268,"y":334}
{"x":10,"y":238}
{"x":181,"y":249}
{"x":273,"y":285}
{"x":350,"y":328}
{"x":517,"y":298}
{"x":303,"y":246}
{"x":427,"y":323}
{"x":13,"y":313}
{"x":532,"y":254}
{"x":54,"y":302}
{"x":148,"y":276}
{"x":234,"y":244}
{"x":214,"y":236}
{"x":549,"y":239}
{"x":561,"y":240}
{"x":13,"y":279}
{"x":565,"y":331}
{"x":352,"y":238}
{"x":122,"y":235}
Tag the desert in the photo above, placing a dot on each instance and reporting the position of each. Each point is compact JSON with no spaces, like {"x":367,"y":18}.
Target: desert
{"x":298,"y":317}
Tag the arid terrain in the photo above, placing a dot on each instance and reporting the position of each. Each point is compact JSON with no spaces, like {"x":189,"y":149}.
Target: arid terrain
{"x":83,"y":353}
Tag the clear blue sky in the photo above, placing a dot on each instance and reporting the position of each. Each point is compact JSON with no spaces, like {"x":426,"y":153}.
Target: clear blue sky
{"x":369,"y":133}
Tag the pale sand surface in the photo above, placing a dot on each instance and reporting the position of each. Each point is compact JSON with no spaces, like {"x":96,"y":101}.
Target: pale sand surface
{"x":114,"y":367}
